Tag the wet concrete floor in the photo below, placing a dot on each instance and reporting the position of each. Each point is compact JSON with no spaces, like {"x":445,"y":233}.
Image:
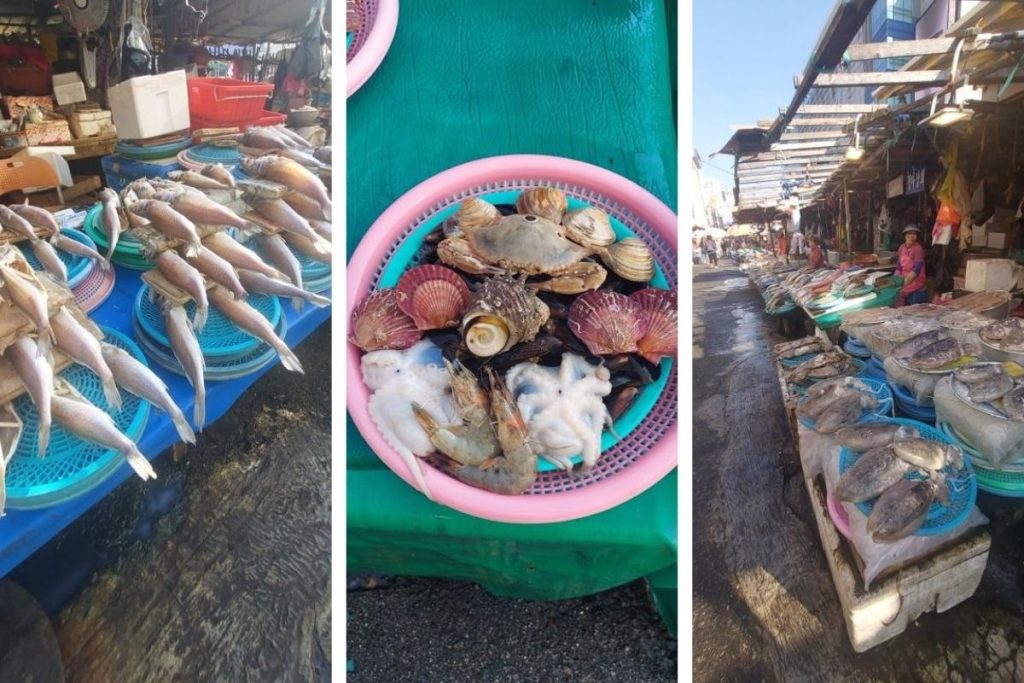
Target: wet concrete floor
{"x":765,"y":607}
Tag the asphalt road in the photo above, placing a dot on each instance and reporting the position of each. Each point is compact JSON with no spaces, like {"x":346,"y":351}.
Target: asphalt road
{"x":765,"y":608}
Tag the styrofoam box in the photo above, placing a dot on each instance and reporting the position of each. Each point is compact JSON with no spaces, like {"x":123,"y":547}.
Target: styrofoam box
{"x":989,"y":273}
{"x":68,"y":88}
{"x":979,"y":235}
{"x":150,"y":106}
{"x":997,"y":240}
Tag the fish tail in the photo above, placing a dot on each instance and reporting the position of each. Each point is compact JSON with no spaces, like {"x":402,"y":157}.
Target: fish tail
{"x":298,"y":303}
{"x":199,"y":413}
{"x":44,"y":345}
{"x":110,"y":251}
{"x":289,"y":360}
{"x":200,"y":320}
{"x":111,"y":394}
{"x":182,"y":426}
{"x":317,"y":300}
{"x":104,"y":264}
{"x":139,"y":463}
{"x":192,"y":250}
{"x":44,"y":437}
{"x":322,"y":246}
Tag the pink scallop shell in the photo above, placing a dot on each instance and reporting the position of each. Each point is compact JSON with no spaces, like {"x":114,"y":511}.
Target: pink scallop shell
{"x":378,"y":323}
{"x":660,"y":310}
{"x":435,"y":297}
{"x":607,"y":322}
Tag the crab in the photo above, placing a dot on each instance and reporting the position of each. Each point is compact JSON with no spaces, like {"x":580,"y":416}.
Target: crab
{"x":528,"y":245}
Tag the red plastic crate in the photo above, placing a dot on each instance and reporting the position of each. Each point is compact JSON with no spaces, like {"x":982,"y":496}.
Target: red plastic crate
{"x":268,"y":118}
{"x":225,"y":100}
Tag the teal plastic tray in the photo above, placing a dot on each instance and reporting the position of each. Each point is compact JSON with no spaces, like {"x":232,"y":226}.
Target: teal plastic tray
{"x":72,"y":466}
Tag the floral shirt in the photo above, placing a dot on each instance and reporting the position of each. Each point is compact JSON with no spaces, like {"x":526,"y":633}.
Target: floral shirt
{"x":911,"y":259}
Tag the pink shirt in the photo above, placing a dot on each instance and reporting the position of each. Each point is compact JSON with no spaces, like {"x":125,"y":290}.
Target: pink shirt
{"x":911,"y":259}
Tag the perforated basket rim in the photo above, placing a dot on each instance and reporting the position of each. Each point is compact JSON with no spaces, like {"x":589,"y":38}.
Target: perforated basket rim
{"x":94,"y":289}
{"x":654,"y":442}
{"x":933,"y":433}
{"x":370,"y":45}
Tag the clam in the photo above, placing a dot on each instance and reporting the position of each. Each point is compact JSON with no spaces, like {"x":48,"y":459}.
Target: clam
{"x":378,"y":323}
{"x":503,"y":313}
{"x":660,"y":309}
{"x":433,"y":296}
{"x":546,"y":202}
{"x":607,"y":322}
{"x":589,"y":226}
{"x":476,"y":213}
{"x":631,"y":259}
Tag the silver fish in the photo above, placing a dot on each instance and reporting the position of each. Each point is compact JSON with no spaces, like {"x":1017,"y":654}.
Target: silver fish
{"x":845,"y":411}
{"x":37,"y":376}
{"x":972,"y":374}
{"x":111,"y":218}
{"x":41,"y":218}
{"x":15,"y":223}
{"x":901,"y":509}
{"x":237,"y":255}
{"x":143,"y":382}
{"x":261,"y":284}
{"x":181,"y":274}
{"x":31,"y":301}
{"x":92,"y":424}
{"x":83,"y":348}
{"x":864,"y":437}
{"x":217,"y":269}
{"x":282,"y":258}
{"x":934,"y":356}
{"x":907,"y":349}
{"x":65,"y":243}
{"x":252,"y":321}
{"x":990,"y":389}
{"x":219,"y":173}
{"x":47,"y":255}
{"x":873,"y":473}
{"x":186,"y":350}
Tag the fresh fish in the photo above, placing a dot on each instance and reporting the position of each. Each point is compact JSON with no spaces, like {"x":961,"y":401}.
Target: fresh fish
{"x":934,"y":356}
{"x":111,"y":218}
{"x":186,"y":350}
{"x":219,"y":173}
{"x":810,"y":347}
{"x":201,"y":181}
{"x":972,"y":374}
{"x":293,"y":175}
{"x":37,"y":376}
{"x":901,"y":509}
{"x":305,"y":159}
{"x":305,"y":206}
{"x":814,"y":406}
{"x":323,"y":153}
{"x":261,"y":284}
{"x":822,"y":388}
{"x":844,"y":411}
{"x":198,"y":208}
{"x":282,"y":258}
{"x":83,"y":348}
{"x":47,"y":256}
{"x":990,"y":389}
{"x":41,"y":218}
{"x":218,"y":270}
{"x":300,"y":142}
{"x":179,"y":273}
{"x":237,"y":255}
{"x":143,"y":382}
{"x":314,"y":250}
{"x":907,"y":349}
{"x":873,"y":473}
{"x":864,"y":437}
{"x":252,"y":321}
{"x":31,"y":301}
{"x":322,"y":228}
{"x":92,"y":424}
{"x":285,"y":217}
{"x":928,"y":454}
{"x":65,"y":243}
{"x":16,"y":224}
{"x":171,"y":223}
{"x":1013,"y":404}
{"x":263,"y":138}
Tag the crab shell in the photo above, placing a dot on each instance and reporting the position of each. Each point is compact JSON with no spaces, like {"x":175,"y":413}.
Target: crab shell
{"x":503,"y":313}
{"x":526,"y":244}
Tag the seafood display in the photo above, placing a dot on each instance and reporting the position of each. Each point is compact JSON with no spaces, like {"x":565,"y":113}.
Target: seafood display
{"x":838,"y":406}
{"x":820,"y":290}
{"x":547,"y":329}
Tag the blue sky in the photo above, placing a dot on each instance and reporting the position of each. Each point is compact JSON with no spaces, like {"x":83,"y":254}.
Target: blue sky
{"x":745,"y":54}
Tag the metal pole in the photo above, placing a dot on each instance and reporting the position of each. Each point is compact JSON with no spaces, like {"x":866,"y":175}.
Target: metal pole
{"x":846,"y":205}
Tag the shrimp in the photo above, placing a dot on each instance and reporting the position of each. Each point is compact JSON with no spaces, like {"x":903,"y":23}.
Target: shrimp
{"x":472,"y":442}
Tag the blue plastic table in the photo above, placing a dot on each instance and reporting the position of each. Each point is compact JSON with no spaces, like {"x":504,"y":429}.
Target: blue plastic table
{"x":22,"y":532}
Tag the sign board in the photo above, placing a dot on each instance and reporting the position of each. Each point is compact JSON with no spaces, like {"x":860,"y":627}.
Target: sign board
{"x":914,"y":180}
{"x":894,"y":188}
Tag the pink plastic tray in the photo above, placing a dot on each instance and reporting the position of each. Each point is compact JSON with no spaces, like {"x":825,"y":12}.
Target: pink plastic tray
{"x":625,"y":470}
{"x":94,"y":289}
{"x":370,"y":43}
{"x":838,"y":514}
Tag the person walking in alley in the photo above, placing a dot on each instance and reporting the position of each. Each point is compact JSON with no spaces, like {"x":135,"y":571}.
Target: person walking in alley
{"x":711,"y":249}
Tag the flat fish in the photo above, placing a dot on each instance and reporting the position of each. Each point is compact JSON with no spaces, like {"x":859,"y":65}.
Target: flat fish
{"x":901,"y":509}
{"x":873,"y":473}
{"x":990,"y":389}
{"x":911,"y":346}
{"x":934,"y":356}
{"x":972,"y":374}
{"x":864,"y":437}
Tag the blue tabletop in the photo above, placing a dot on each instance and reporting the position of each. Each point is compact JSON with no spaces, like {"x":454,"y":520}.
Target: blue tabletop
{"x":22,"y":532}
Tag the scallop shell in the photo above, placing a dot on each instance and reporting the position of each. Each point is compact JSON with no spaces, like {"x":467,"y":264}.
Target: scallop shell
{"x":589,"y":226}
{"x":378,"y":323}
{"x":607,"y":322}
{"x":660,"y":310}
{"x":476,"y":213}
{"x":546,"y":202}
{"x":631,"y":259}
{"x":433,"y":296}
{"x":504,"y":312}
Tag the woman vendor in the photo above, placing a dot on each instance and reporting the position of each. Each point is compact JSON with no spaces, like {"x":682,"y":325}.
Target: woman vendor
{"x":910,"y":266}
{"x":815,"y":257}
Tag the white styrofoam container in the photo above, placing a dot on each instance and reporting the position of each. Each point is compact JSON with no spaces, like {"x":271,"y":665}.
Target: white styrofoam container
{"x":990,"y":273}
{"x":997,"y":240}
{"x":979,"y":235}
{"x":150,"y":106}
{"x":68,"y":88}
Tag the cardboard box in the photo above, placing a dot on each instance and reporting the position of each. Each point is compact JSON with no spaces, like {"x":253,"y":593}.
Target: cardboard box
{"x":86,"y":124}
{"x":68,"y":88}
{"x":997,"y":240}
{"x":48,"y":132}
{"x":16,"y":105}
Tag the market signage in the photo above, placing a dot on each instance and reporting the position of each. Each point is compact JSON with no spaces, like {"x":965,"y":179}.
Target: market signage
{"x":915,"y":179}
{"x":894,"y":188}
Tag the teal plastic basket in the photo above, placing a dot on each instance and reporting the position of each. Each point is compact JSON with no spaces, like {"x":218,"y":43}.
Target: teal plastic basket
{"x":72,"y":466}
{"x":219,"y":338}
{"x":153,"y":152}
{"x":962,"y":484}
{"x":210,"y":154}
{"x":882,"y":394}
{"x":78,"y":266}
{"x":217,"y":369}
{"x":404,"y":258}
{"x":1007,"y":482}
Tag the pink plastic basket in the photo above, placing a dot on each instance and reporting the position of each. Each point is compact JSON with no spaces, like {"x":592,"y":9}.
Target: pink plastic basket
{"x":838,"y":515}
{"x":371,"y":42}
{"x":627,"y":469}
